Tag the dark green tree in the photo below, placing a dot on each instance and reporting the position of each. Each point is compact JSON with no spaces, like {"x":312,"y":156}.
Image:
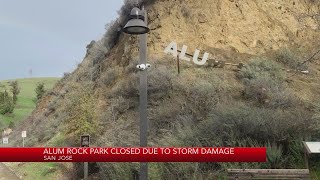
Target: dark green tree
{"x":15,"y":91}
{"x":40,"y":90}
{"x":6,"y":103}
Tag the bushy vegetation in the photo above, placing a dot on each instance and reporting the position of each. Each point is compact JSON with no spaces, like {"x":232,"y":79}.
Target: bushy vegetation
{"x":81,"y":116}
{"x":203,"y":108}
{"x":15,"y":89}
{"x":40,"y":90}
{"x":228,"y":126}
{"x":290,"y":58}
{"x":173,"y":99}
{"x":6,"y":103}
{"x":265,"y":84}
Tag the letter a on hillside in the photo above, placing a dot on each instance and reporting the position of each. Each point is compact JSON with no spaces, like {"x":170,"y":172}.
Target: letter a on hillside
{"x":172,"y":49}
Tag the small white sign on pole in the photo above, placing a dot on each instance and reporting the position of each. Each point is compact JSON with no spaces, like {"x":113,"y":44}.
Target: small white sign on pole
{"x":5,"y":140}
{"x":24,"y":134}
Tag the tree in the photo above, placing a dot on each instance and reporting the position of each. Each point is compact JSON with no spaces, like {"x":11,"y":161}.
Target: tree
{"x":40,"y":90}
{"x":15,"y":91}
{"x":6,"y":104}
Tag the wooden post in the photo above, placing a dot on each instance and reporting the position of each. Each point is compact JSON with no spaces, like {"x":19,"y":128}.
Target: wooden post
{"x":178,"y":64}
{"x":306,"y":159}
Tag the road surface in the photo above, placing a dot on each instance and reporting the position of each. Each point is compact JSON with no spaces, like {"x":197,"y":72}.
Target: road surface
{"x":6,"y":173}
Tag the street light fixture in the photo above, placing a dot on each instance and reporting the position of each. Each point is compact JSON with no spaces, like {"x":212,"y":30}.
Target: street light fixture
{"x":137,"y":25}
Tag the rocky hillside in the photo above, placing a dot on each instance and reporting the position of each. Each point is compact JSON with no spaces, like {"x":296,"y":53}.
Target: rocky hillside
{"x":203,"y":106}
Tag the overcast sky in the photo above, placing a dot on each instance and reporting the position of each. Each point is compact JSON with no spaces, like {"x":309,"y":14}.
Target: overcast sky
{"x":49,"y":37}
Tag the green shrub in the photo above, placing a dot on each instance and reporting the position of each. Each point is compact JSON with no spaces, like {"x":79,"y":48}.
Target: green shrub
{"x":231,"y":125}
{"x":159,"y":83}
{"x":269,"y":92}
{"x":200,"y":96}
{"x":290,"y":59}
{"x":295,"y":154}
{"x":81,"y":115}
{"x":127,"y":87}
{"x":6,"y":108}
{"x":261,"y":67}
{"x":264,"y":84}
{"x":164,"y":118}
{"x":40,"y":90}
{"x":15,"y":91}
{"x":274,"y":156}
{"x":227,"y":125}
{"x":6,"y":103}
{"x":203,"y":97}
{"x":265,"y":124}
{"x":109,"y":77}
{"x":120,"y":105}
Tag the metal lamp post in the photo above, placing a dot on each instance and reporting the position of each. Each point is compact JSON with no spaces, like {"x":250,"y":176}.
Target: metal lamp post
{"x":137,"y":25}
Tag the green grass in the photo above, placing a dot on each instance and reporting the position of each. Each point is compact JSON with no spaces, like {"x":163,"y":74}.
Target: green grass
{"x":25,"y":104}
{"x":36,"y":171}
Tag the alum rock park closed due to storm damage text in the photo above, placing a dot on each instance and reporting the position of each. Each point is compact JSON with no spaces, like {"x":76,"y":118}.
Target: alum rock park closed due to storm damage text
{"x":66,"y":154}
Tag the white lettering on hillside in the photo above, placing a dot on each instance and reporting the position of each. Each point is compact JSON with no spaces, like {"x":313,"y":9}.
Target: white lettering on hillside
{"x":183,"y":53}
{"x":172,"y":48}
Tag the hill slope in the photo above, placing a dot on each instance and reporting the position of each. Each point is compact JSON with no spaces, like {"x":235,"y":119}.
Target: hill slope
{"x":203,"y":106}
{"x":25,"y":104}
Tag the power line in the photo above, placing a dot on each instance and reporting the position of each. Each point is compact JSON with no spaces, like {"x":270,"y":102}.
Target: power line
{"x":300,"y":64}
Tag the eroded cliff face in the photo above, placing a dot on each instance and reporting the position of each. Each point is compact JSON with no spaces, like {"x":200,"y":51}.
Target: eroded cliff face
{"x":251,"y":26}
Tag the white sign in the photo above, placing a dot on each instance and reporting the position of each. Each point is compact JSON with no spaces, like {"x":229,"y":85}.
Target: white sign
{"x":24,"y":134}
{"x":173,"y":49}
{"x":5,"y":140}
{"x":312,"y":147}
